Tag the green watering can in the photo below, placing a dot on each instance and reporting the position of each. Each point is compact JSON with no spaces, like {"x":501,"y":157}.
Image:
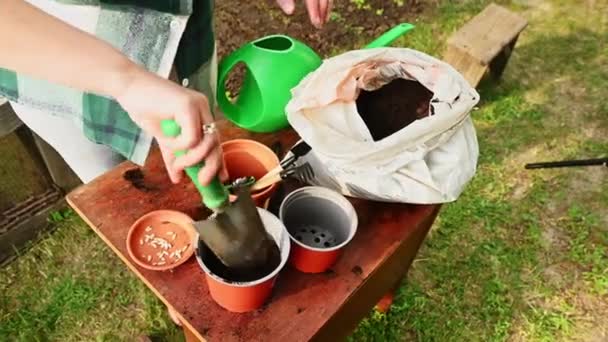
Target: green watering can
{"x":275,"y":64}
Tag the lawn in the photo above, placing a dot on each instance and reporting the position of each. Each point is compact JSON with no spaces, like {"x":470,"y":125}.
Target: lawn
{"x":521,"y":256}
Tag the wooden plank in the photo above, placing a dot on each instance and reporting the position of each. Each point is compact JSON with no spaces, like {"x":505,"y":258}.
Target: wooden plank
{"x":8,"y":119}
{"x":16,"y":239}
{"x":302,"y":306}
{"x":484,"y":36}
{"x":190,"y":336}
{"x":499,"y":63}
{"x":472,"y":70}
{"x":59,"y":171}
{"x":22,"y":175}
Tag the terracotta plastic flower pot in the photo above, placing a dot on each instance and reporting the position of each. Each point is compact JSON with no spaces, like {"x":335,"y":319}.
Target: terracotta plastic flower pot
{"x":245,"y":296}
{"x":244,"y":158}
{"x":161,"y":240}
{"x":320,"y":222}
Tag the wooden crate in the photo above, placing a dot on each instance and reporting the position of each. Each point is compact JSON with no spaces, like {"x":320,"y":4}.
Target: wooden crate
{"x":34,"y":180}
{"x":485,"y":43}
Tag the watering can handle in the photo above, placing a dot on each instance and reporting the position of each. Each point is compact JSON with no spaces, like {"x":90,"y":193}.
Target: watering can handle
{"x":215,"y":194}
{"x":226,"y":65}
{"x":389,"y":36}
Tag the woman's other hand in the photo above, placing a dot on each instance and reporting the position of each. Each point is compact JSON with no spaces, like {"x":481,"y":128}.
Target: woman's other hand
{"x":318,"y":10}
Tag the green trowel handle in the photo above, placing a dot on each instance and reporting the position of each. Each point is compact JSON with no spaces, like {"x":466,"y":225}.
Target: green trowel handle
{"x":215,"y":194}
{"x":389,"y":36}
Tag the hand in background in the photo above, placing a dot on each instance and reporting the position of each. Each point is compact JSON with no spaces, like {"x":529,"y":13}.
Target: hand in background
{"x":318,"y":10}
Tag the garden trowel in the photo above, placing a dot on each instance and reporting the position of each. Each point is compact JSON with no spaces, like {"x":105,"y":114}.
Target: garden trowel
{"x":234,"y":232}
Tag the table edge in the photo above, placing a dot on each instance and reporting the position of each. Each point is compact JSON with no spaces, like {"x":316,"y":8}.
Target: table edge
{"x":134,"y":269}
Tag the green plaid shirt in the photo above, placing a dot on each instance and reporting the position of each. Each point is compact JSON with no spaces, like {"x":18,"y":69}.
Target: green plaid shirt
{"x":157,"y":34}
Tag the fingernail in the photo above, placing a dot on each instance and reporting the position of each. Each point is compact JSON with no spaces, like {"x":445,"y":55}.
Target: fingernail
{"x":204,"y":181}
{"x":287,"y":6}
{"x":291,"y":6}
{"x":179,"y":176}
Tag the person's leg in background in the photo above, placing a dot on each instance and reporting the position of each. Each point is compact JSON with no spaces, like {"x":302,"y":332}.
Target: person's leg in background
{"x":86,"y":158}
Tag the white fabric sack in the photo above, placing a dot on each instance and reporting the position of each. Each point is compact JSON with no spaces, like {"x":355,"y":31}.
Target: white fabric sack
{"x":429,"y":161}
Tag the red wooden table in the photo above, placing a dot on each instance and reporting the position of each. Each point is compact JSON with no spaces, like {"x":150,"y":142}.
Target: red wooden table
{"x":304,"y":307}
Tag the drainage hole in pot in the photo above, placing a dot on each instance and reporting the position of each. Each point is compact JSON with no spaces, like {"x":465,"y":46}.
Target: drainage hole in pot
{"x":322,"y":235}
{"x":313,"y":231}
{"x":327,"y":244}
{"x":317,"y":240}
{"x":299,"y":237}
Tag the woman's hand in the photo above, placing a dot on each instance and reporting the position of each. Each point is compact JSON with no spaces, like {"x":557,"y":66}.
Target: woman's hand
{"x":318,"y":10}
{"x":149,"y":99}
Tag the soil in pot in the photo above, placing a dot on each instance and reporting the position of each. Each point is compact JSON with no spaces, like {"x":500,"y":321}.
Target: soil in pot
{"x":234,"y":275}
{"x":393,"y":106}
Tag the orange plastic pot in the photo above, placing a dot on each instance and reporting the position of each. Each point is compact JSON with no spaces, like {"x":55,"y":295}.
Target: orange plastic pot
{"x":320,"y":223}
{"x":248,"y":296}
{"x":308,"y":260}
{"x":244,"y":158}
{"x":174,"y":227}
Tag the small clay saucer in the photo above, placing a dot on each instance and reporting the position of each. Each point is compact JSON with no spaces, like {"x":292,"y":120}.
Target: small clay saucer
{"x":161,"y":240}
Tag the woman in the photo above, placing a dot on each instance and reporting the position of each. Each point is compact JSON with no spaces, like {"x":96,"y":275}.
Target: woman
{"x":90,"y":78}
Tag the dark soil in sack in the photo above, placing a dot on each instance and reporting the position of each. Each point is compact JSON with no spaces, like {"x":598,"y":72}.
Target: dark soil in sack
{"x":394,"y":106}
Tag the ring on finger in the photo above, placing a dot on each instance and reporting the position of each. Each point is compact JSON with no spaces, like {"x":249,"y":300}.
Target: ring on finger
{"x":209,"y":128}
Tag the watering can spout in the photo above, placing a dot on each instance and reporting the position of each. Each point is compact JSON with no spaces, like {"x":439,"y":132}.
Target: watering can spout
{"x":388,"y":37}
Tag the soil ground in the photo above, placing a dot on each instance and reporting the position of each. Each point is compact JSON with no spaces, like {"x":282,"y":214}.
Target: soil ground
{"x":352,"y":24}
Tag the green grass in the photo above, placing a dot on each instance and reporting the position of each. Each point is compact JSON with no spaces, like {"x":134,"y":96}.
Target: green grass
{"x":522,"y":255}
{"x":486,"y":271}
{"x":71,"y":287}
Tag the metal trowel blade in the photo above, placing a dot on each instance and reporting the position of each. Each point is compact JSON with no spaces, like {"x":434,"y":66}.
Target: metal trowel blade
{"x":236,"y":235}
